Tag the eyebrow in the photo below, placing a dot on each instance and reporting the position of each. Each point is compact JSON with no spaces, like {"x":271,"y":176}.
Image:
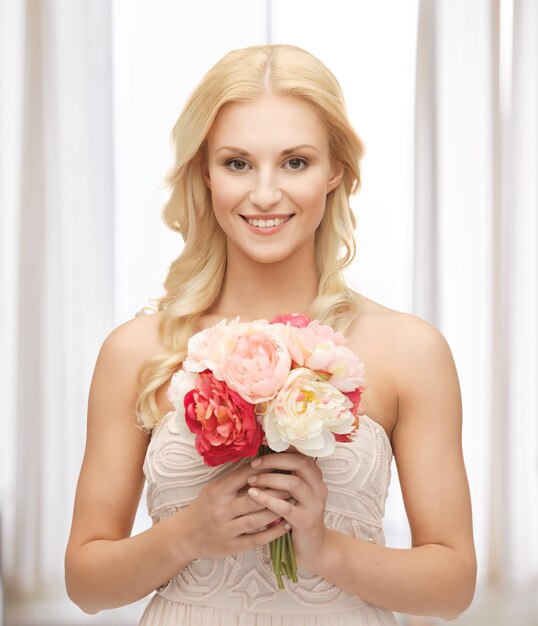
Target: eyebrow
{"x":283,"y":153}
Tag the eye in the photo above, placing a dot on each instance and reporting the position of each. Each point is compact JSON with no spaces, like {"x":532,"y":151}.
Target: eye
{"x":296,"y":163}
{"x":236,"y":165}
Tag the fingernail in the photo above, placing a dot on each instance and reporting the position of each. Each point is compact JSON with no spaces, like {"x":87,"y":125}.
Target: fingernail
{"x":253,"y":492}
{"x":252,"y":479}
{"x":256,"y":463}
{"x":287,"y":526}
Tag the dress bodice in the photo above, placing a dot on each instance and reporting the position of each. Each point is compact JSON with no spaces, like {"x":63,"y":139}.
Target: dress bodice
{"x":357,"y":475}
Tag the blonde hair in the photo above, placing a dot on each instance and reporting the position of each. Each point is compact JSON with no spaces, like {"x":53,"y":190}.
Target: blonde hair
{"x":195,"y":278}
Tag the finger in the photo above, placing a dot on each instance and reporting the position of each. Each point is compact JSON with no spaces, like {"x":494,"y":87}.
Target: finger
{"x":291,"y":483}
{"x":243,"y":505}
{"x":283,"y":495}
{"x":253,"y":522}
{"x":283,"y":508}
{"x":303,"y":466}
{"x":247,"y":542}
{"x":291,"y":461}
{"x":278,"y":494}
{"x":234,"y":481}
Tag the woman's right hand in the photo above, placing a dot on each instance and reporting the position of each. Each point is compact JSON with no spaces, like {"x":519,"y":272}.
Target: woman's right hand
{"x":224,"y":520}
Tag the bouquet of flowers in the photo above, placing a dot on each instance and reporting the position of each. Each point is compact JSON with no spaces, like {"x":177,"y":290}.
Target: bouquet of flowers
{"x":248,"y":388}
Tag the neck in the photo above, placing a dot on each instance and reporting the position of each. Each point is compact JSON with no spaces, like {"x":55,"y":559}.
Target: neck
{"x":255,"y":290}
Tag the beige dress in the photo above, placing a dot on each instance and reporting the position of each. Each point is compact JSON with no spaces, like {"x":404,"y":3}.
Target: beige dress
{"x":241,"y":590}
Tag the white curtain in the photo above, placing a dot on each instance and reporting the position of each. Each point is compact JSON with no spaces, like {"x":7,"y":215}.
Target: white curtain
{"x":476,"y":237}
{"x":454,"y":270}
{"x":57,"y":271}
{"x":519,"y":240}
{"x":445,"y":95}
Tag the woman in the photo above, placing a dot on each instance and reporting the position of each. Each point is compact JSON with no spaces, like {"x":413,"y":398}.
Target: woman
{"x":265,"y":163}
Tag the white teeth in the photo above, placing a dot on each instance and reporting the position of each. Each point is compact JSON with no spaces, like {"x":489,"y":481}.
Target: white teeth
{"x":267,"y":223}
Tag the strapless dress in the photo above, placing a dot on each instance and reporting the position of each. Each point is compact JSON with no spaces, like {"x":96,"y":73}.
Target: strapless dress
{"x":241,"y":590}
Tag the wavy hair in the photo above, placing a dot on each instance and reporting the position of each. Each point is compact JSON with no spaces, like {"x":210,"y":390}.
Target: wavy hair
{"x":195,"y":278}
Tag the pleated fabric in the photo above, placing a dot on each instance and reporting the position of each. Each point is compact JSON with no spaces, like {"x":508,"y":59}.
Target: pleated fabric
{"x":162,"y":612}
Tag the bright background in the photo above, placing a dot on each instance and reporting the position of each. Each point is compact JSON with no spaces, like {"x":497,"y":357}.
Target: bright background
{"x":444,"y":94}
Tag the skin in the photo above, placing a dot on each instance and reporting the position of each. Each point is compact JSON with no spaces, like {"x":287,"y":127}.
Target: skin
{"x":412,"y":392}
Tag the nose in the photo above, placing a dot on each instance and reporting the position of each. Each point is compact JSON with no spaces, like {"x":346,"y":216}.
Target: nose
{"x":265,"y":193}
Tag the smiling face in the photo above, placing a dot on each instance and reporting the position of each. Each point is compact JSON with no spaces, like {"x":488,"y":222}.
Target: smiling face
{"x":269,"y":171}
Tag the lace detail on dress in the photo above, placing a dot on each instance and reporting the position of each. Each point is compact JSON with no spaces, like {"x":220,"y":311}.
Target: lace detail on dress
{"x":357,"y":476}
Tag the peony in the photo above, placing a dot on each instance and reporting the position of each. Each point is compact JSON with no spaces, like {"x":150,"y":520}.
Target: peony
{"x":180,"y":384}
{"x":298,"y":320}
{"x":324,"y":332}
{"x":225,"y":424}
{"x":209,"y":348}
{"x":340,"y":364}
{"x":258,"y":364}
{"x":355,"y":397}
{"x":302,"y":340}
{"x":307,"y":413}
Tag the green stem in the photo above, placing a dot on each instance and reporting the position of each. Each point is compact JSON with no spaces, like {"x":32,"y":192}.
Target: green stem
{"x":293,"y":562}
{"x":281,"y":549}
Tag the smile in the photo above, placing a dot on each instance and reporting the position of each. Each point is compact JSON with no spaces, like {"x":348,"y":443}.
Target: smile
{"x":267,"y":223}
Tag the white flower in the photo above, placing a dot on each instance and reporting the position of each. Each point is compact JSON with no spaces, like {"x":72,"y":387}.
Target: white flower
{"x":181,"y":383}
{"x":305,"y":414}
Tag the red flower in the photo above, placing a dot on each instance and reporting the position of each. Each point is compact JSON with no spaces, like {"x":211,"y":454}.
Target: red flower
{"x":224,"y":423}
{"x":355,"y":397}
{"x":295,"y":319}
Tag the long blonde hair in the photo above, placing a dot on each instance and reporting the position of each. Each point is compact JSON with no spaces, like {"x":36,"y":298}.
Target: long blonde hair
{"x":195,"y":278}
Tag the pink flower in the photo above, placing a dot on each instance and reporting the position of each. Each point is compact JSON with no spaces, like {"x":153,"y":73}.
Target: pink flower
{"x":208,"y":348}
{"x":341,"y":366}
{"x":302,"y":341}
{"x":298,"y":320}
{"x":324,"y":332}
{"x":225,"y":425}
{"x":258,"y":364}
{"x":250,"y":357}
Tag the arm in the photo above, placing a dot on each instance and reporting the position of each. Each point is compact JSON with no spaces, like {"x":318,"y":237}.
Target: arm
{"x":106,"y":567}
{"x":436,"y":576}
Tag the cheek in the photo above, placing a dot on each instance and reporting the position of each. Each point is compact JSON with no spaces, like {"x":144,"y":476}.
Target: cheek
{"x":310,"y":195}
{"x":225,"y":194}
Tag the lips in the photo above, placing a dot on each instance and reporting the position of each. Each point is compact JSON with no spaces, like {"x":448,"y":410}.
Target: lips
{"x":267,"y":221}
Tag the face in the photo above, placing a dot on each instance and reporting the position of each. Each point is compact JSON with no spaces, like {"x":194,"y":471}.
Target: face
{"x":269,"y":171}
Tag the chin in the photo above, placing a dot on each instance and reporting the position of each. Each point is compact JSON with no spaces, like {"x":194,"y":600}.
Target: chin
{"x":270,"y":259}
{"x":267,"y":257}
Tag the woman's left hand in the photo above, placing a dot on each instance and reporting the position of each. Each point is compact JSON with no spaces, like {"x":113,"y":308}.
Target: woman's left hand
{"x":304,"y":511}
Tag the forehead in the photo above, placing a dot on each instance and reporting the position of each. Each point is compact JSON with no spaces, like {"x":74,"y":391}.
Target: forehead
{"x":270,"y":120}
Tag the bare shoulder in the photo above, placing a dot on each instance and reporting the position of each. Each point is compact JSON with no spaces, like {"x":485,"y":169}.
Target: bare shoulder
{"x":136,"y":339}
{"x":404,"y":357}
{"x":115,"y":378}
{"x":407,"y":337}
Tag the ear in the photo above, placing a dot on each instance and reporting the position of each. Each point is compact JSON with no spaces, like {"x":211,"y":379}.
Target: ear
{"x":337,"y":173}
